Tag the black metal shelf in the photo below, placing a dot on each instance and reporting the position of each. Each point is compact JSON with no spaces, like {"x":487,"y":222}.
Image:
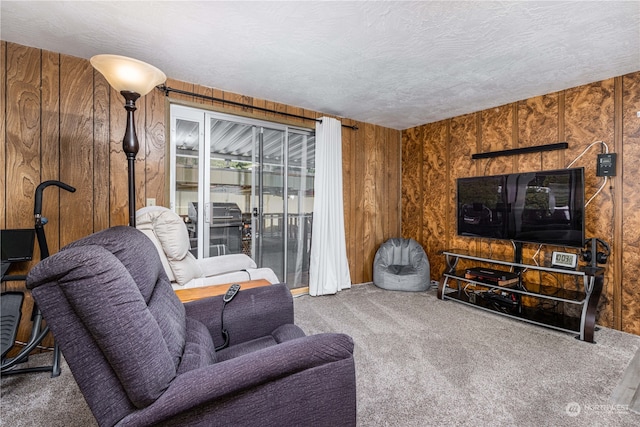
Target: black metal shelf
{"x":538,"y":316}
{"x":566,"y":310}
{"x":544,"y":291}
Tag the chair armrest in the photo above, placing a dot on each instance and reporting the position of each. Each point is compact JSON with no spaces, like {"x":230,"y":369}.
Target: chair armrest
{"x":224,"y":380}
{"x":253,"y":313}
{"x":225,"y":264}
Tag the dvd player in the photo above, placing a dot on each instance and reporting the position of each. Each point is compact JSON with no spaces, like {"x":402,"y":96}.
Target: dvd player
{"x":491,"y":274}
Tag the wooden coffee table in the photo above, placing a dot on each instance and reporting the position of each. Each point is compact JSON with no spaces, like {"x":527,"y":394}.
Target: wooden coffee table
{"x":193,"y":294}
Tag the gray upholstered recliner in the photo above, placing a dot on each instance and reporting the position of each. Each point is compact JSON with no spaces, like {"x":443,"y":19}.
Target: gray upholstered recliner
{"x":401,"y":265}
{"x":141,"y":357}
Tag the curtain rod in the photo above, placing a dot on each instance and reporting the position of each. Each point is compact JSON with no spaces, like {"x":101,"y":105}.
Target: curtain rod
{"x":166,"y":89}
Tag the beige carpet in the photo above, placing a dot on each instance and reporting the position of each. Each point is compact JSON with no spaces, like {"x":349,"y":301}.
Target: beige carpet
{"x":421,"y":362}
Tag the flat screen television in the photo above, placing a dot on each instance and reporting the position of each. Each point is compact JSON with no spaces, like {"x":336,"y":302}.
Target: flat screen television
{"x":545,"y":207}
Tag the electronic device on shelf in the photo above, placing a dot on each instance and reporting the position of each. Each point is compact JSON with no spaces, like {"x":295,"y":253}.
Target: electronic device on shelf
{"x":491,"y":275}
{"x":545,"y":207}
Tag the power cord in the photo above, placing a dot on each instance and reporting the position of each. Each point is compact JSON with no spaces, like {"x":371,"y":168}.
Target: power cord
{"x":604,"y":182}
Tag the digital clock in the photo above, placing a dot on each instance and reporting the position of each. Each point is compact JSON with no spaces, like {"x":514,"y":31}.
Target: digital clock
{"x":564,"y":260}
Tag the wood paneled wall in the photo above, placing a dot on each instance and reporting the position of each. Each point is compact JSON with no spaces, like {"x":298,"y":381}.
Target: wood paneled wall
{"x":435,"y":155}
{"x":61,"y":120}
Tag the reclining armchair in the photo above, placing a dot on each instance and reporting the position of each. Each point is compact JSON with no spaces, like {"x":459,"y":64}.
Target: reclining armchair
{"x":141,"y":357}
{"x":169,"y":234}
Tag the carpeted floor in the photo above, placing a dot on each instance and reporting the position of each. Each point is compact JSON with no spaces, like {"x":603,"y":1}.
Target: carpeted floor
{"x":421,"y":362}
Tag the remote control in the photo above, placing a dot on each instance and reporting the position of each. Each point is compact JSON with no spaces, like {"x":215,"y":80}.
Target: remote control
{"x":231,"y":292}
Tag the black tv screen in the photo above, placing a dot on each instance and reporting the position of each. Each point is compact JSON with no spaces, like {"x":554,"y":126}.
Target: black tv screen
{"x":536,"y":207}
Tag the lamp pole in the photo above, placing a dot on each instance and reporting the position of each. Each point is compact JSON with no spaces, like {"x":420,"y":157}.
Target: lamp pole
{"x":133,"y":79}
{"x":130,"y":147}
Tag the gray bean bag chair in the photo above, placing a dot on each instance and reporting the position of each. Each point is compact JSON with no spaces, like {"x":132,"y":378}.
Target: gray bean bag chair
{"x":401,"y":265}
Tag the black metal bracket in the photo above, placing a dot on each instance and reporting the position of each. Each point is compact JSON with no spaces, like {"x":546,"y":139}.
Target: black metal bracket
{"x":522,"y":150}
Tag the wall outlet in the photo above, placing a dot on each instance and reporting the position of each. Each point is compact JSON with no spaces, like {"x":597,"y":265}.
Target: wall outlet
{"x":151,"y":202}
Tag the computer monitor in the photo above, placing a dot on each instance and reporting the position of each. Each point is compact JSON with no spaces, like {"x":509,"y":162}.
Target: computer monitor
{"x":17,"y":245}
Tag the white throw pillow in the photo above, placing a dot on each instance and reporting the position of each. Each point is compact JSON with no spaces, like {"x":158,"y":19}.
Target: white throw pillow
{"x":174,"y":238}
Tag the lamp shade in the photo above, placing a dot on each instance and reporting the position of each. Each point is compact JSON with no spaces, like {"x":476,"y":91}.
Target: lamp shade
{"x":128,"y":74}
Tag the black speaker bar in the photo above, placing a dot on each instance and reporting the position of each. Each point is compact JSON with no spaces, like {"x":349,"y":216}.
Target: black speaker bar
{"x":523,"y":150}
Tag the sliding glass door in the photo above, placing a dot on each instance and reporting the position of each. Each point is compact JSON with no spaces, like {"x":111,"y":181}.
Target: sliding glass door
{"x":254,"y":180}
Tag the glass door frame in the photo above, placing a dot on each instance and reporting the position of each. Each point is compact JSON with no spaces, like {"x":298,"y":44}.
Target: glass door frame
{"x":204,"y":116}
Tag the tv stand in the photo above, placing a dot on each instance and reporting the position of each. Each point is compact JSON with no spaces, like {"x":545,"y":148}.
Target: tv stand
{"x":507,"y":299}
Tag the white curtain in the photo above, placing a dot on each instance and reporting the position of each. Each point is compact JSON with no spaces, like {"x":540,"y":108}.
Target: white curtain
{"x":329,"y":268}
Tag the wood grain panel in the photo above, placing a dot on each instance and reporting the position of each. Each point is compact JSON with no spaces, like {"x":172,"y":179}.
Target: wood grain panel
{"x":347,"y":195}
{"x":23,"y":133}
{"x":462,"y":144}
{"x":630,"y":250}
{"x":384,"y":167}
{"x":412,"y":184}
{"x":278,"y":107}
{"x":538,"y":124}
{"x":206,"y":91}
{"x":50,"y":145}
{"x":22,"y":148}
{"x":289,"y":109}
{"x":259,"y":103}
{"x":369,"y":205}
{"x":435,"y":195}
{"x":140,"y":167}
{"x":3,"y":153}
{"x":188,"y":87}
{"x":271,"y":106}
{"x":616,"y":243}
{"x":101,"y":151}
{"x":155,"y":159}
{"x":50,"y":153}
{"x":378,"y":163}
{"x":359,"y":203}
{"x":237,"y":98}
{"x":496,"y":133}
{"x":393,"y":190}
{"x":76,"y":148}
{"x":589,"y":117}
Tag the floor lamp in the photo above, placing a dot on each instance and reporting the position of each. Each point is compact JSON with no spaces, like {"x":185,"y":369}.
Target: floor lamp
{"x":133,"y":79}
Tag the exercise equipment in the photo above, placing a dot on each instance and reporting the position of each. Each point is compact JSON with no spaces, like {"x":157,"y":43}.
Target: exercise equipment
{"x":17,"y":246}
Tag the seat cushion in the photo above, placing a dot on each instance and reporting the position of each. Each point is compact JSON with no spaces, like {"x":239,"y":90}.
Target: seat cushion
{"x":199,"y":349}
{"x":402,"y":270}
{"x":283,"y":333}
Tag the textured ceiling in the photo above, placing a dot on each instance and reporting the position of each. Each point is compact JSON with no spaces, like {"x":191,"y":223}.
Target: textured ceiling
{"x":396,"y":64}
